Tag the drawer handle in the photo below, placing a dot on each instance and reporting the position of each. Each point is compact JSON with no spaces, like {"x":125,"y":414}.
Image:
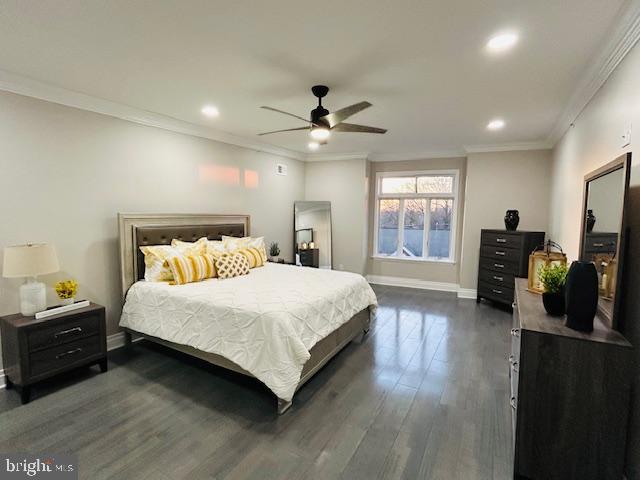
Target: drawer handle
{"x":515,"y":332}
{"x":67,"y":332}
{"x":500,"y":279}
{"x":512,"y":402}
{"x":600,"y":245}
{"x":499,"y":292}
{"x":70,"y":352}
{"x":501,"y":240}
{"x":502,"y":254}
{"x":498,"y":265}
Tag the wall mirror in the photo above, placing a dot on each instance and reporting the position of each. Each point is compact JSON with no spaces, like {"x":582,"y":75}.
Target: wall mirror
{"x":312,"y":234}
{"x":603,"y":232}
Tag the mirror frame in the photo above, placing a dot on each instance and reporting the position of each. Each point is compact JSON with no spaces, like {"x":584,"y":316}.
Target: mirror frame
{"x":623,"y":163}
{"x":330,"y":226}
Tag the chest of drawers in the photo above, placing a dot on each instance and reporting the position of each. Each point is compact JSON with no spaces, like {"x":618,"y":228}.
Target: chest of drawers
{"x":504,"y":255}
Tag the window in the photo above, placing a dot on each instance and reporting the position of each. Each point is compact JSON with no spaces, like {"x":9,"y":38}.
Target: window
{"x":415,"y":215}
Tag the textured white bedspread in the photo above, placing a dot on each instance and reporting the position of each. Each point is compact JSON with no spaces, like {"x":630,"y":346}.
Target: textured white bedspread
{"x":265,"y":322}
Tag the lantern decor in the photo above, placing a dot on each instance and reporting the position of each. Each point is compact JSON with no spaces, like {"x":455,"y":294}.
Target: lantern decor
{"x":543,"y":255}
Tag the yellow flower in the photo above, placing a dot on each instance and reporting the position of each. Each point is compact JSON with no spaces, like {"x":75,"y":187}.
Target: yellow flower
{"x":66,"y":289}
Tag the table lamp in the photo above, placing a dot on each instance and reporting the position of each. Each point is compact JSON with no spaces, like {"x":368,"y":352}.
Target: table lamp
{"x":29,"y":261}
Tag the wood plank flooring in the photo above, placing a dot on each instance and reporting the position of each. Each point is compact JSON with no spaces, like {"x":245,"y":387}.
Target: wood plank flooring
{"x":424,"y":396}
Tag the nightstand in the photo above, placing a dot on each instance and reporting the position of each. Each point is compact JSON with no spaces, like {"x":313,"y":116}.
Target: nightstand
{"x":33,"y":350}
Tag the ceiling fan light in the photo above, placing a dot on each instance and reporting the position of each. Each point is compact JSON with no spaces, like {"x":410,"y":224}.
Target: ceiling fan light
{"x":314,"y":145}
{"x":320,"y":133}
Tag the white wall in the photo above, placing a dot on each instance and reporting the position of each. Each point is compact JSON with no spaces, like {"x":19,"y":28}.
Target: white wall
{"x":66,"y":173}
{"x":594,"y":140}
{"x":345,"y":184}
{"x":416,"y":270}
{"x":497,"y":182}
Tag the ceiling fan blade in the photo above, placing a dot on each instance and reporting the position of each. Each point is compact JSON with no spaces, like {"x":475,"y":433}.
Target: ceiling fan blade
{"x":286,"y":130}
{"x":352,"y":127}
{"x":286,"y":113}
{"x":340,"y":115}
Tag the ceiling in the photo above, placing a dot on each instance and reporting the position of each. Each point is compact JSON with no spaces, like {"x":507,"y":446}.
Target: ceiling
{"x":422,"y":64}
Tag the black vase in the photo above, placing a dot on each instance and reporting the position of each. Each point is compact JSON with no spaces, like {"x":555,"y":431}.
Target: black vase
{"x":554,"y":303}
{"x":591,"y":221}
{"x":511,"y":220}
{"x":581,"y":296}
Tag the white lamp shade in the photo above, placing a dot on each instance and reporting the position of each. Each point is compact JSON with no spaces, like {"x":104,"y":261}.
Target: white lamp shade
{"x":29,"y":260}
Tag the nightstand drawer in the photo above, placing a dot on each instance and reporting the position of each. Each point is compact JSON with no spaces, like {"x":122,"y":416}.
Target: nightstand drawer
{"x":56,"y":358}
{"x":63,"y":332}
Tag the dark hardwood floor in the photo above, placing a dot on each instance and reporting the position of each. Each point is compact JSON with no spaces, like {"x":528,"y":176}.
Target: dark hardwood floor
{"x":424,"y":396}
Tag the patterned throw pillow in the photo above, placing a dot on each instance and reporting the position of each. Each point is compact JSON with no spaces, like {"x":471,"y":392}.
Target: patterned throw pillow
{"x":216,"y":248}
{"x":235,"y":243}
{"x":156,"y":268}
{"x":191,"y":268}
{"x":232,"y":265}
{"x":255,"y":256}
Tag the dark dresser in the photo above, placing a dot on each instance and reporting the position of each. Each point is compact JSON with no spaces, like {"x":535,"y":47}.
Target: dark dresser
{"x":504,"y":255}
{"x":33,"y":350}
{"x":599,"y":243}
{"x":310,"y":257}
{"x":569,"y":396}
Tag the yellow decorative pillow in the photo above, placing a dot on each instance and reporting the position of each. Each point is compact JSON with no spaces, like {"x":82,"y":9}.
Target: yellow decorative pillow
{"x":155,"y":257}
{"x":216,"y":248}
{"x":191,"y":268}
{"x":231,"y":265}
{"x":255,"y":256}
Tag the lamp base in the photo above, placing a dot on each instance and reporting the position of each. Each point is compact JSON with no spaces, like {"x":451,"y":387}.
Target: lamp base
{"x":33,"y":298}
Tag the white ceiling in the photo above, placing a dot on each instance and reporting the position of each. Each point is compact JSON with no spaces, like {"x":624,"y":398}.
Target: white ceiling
{"x":421,"y":63}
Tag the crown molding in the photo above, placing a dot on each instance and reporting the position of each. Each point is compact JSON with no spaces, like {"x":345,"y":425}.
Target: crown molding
{"x":507,"y":147}
{"x":401,"y":157}
{"x":21,"y":85}
{"x":622,"y":38}
{"x":332,"y":157}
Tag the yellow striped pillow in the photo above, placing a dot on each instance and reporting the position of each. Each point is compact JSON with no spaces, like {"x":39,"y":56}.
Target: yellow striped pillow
{"x":255,"y":256}
{"x":191,"y":268}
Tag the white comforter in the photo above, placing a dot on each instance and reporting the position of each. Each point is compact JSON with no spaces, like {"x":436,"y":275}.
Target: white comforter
{"x":265,"y":322}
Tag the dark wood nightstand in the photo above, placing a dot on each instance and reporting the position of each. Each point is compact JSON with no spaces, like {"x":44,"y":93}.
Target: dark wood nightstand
{"x":33,"y":350}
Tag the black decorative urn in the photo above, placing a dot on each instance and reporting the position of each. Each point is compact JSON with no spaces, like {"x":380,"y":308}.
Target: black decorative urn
{"x":581,"y":296}
{"x":591,"y":221}
{"x":511,"y":220}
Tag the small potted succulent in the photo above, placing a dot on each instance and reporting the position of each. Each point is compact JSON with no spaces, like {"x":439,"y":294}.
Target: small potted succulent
{"x":66,"y":291}
{"x":274,"y":251}
{"x":553,"y":278}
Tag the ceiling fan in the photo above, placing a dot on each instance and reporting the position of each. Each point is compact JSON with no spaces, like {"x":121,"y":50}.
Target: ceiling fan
{"x":322,"y":123}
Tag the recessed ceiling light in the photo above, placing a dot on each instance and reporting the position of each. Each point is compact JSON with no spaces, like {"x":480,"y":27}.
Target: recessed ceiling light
{"x":502,"y":42}
{"x":497,"y":124}
{"x":320,"y":133}
{"x":210,"y":111}
{"x":314,"y":145}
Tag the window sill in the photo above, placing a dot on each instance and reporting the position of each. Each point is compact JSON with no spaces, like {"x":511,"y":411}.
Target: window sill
{"x":413,"y":259}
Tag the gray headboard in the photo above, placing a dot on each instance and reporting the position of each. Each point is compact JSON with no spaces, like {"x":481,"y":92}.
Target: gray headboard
{"x":159,"y":229}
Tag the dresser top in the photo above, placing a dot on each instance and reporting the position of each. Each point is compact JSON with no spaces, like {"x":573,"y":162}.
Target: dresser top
{"x":511,"y":232}
{"x":533,"y":317}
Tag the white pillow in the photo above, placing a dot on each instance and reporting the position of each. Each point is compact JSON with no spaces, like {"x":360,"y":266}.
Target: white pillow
{"x":231,"y":244}
{"x":216,"y":248}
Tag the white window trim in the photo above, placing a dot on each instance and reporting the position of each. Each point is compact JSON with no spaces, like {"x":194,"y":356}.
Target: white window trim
{"x":402,"y":196}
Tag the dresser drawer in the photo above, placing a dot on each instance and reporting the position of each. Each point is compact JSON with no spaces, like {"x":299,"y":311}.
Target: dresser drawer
{"x":63,"y":332}
{"x":500,"y":253}
{"x":500,"y":279}
{"x":499,"y":266}
{"x":493,"y":292}
{"x":46,"y":361}
{"x":604,"y":243}
{"x":495,"y":239}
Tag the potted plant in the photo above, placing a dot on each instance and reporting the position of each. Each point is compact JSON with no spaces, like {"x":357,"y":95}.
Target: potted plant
{"x":553,"y":278}
{"x":274,"y":251}
{"x":66,"y":291}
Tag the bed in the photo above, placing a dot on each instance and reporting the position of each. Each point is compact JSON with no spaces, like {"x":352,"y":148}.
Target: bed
{"x":279,"y":324}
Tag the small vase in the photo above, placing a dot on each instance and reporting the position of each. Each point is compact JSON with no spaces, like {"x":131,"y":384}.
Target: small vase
{"x":67,"y":301}
{"x":581,"y":296}
{"x":554,"y":303}
{"x":511,"y":220}
{"x":591,"y":221}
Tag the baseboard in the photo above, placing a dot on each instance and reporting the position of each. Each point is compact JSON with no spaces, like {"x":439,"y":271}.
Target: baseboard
{"x":469,"y":293}
{"x":117,"y":340}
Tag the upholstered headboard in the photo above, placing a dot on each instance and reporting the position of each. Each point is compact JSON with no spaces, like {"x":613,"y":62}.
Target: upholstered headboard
{"x":137,"y":230}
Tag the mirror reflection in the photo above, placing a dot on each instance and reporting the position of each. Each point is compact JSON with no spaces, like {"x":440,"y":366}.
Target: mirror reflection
{"x":312,"y":234}
{"x":603,"y":220}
